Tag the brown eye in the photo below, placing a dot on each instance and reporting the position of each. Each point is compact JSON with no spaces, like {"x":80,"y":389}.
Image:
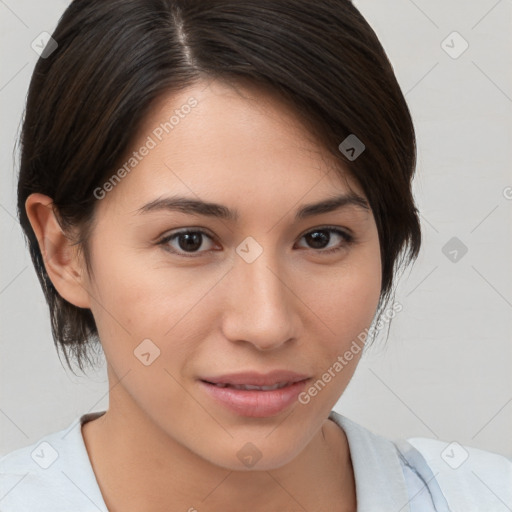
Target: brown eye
{"x":183,"y":242}
{"x":320,"y":239}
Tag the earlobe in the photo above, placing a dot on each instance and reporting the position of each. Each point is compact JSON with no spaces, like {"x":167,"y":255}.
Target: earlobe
{"x":61,"y":258}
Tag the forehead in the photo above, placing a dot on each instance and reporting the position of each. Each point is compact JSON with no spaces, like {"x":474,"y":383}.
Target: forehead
{"x":226,"y":142}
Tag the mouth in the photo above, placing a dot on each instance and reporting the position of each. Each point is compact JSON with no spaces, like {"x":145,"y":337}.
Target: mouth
{"x":271,"y":379}
{"x":255,"y":395}
{"x":250,"y":387}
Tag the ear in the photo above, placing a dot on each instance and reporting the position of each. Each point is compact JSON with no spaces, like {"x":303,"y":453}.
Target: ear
{"x":61,"y":259}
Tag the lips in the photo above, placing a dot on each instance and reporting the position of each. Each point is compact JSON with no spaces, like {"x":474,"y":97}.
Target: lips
{"x":253,"y":394}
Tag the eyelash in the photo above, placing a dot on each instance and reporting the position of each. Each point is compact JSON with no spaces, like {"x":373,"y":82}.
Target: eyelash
{"x":348,"y":240}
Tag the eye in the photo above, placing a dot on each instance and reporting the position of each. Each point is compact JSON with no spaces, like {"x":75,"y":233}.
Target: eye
{"x":319,"y":238}
{"x":188,"y":242}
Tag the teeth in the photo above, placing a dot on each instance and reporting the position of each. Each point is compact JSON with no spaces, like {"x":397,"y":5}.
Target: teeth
{"x":249,"y":387}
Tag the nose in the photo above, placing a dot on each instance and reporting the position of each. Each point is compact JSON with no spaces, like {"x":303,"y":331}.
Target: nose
{"x":260,"y":305}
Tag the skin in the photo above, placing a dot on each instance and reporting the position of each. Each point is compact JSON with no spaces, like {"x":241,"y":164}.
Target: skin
{"x":163,"y":442}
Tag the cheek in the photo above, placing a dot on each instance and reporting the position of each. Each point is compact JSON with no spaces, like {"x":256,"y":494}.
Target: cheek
{"x":138,"y":300}
{"x":345,"y":298}
{"x":148,"y":322}
{"x":344,"y":305}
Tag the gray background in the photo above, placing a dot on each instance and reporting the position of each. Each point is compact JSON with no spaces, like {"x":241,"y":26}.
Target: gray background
{"x":446,"y":369}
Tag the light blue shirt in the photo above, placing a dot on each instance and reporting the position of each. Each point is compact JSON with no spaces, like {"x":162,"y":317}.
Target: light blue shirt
{"x":418,"y":475}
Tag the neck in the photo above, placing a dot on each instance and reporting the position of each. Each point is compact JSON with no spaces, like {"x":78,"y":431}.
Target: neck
{"x":140,"y":468}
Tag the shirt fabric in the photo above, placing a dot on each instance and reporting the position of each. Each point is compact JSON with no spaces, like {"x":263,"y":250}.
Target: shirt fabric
{"x":415,"y":475}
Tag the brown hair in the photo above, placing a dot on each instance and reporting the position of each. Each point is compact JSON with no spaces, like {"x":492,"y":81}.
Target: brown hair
{"x":116,"y":57}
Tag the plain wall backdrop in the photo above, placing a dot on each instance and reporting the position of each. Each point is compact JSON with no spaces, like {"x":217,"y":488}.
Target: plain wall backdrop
{"x":445,"y":371}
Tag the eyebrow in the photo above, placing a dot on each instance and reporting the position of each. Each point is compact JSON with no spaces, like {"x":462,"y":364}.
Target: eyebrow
{"x":199,"y":207}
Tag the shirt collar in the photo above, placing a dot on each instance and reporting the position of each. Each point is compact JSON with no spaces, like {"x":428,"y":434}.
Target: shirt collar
{"x":79,"y":467}
{"x":378,"y":473}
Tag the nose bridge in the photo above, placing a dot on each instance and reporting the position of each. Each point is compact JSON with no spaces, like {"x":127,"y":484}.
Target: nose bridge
{"x":260,"y":311}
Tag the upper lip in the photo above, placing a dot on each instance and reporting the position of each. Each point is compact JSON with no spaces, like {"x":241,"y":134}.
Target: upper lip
{"x":257,"y":379}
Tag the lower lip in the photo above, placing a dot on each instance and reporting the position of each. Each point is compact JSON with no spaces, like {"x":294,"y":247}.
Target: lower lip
{"x":254,"y":403}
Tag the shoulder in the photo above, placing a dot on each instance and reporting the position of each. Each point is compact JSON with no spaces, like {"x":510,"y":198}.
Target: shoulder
{"x":469,"y":478}
{"x":426,"y":474}
{"x":384,"y":480}
{"x":51,"y":475}
{"x":28,"y":480}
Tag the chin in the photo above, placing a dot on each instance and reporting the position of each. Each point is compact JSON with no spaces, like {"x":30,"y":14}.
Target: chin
{"x":252,"y":456}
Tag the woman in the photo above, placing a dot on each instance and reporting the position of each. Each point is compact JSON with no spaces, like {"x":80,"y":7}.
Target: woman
{"x":219,"y":194}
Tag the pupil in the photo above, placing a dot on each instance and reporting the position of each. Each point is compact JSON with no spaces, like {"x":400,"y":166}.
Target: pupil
{"x":193,"y":241}
{"x":319,"y":236}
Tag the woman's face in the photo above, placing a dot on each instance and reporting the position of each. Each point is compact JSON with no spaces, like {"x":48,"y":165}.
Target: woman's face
{"x":254,"y":295}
